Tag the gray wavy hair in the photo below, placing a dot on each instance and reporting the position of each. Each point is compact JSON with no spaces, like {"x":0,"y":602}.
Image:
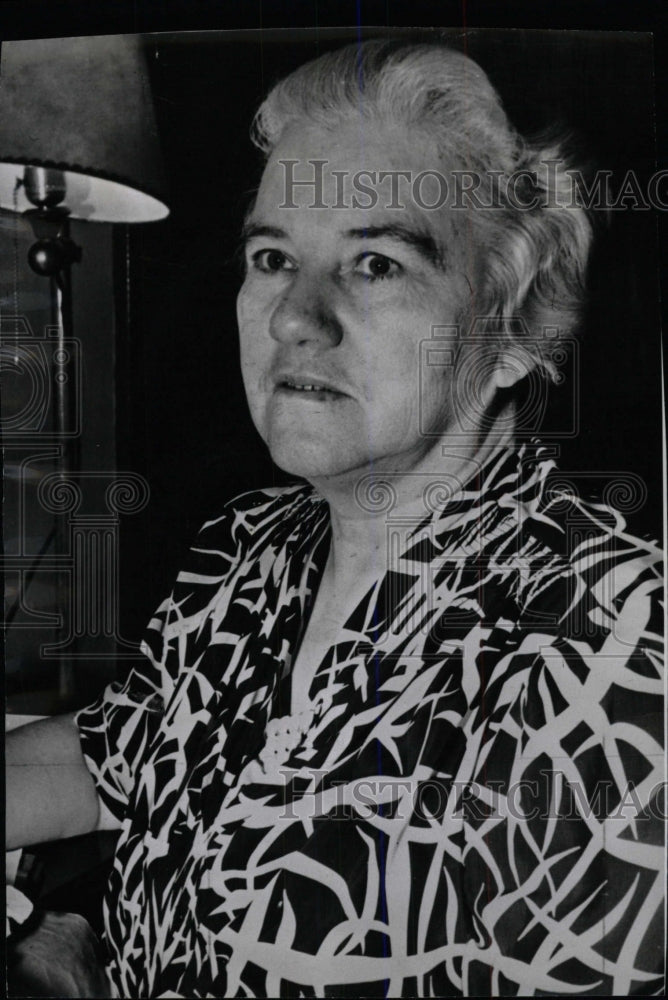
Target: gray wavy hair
{"x":537,"y":256}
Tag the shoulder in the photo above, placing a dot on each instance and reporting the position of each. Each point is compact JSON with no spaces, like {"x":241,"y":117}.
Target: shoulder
{"x":228,"y":547}
{"x":256,"y":517}
{"x":574,"y":547}
{"x":582,"y":668}
{"x":260,"y":513}
{"x":592,"y":538}
{"x":593,"y":601}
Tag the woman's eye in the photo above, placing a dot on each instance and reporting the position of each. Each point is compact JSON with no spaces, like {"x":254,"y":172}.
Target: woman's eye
{"x":271,"y":261}
{"x":376,"y":267}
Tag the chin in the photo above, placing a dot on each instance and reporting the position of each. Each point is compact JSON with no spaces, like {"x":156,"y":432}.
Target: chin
{"x":306,"y":467}
{"x":311,"y":460}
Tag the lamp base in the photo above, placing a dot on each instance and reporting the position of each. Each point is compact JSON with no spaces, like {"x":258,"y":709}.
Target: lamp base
{"x":52,"y":254}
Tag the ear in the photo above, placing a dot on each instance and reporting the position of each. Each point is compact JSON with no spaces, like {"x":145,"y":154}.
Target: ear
{"x":513,"y":363}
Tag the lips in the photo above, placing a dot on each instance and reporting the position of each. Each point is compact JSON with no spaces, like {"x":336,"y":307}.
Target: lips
{"x":307,"y":384}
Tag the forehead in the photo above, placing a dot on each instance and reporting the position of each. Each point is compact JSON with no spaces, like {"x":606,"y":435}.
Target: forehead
{"x":357,"y":144}
{"x":370,"y":174}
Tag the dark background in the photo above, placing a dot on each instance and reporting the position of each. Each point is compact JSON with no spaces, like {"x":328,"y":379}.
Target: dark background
{"x":181,"y":418}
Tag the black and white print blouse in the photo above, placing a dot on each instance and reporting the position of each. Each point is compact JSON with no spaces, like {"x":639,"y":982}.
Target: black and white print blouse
{"x":473,"y":806}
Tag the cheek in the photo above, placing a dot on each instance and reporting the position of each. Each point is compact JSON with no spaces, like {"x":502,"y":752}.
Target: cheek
{"x":253,"y":340}
{"x":434,"y":405}
{"x":394,"y":359}
{"x":253,"y":375}
{"x":246,"y":308}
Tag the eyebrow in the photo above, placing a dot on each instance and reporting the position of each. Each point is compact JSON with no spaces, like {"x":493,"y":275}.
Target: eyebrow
{"x":417,"y":239}
{"x":250,"y":230}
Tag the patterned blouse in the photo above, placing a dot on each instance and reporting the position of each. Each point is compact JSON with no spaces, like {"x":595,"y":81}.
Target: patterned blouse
{"x":471,"y":808}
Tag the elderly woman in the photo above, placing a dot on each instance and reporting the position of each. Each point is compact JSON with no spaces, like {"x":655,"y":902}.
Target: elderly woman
{"x":382,"y":741}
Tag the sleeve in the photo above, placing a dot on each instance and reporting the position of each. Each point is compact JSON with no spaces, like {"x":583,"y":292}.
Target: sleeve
{"x":117,"y":729}
{"x":566,"y":851}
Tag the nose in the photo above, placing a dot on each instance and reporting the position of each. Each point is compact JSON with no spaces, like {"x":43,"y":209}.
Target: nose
{"x":306,"y":313}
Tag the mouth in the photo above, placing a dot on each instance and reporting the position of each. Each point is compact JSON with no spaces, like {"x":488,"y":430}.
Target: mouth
{"x":308,"y":388}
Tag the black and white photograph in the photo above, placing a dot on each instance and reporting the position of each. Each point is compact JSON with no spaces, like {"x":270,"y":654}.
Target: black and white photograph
{"x":333,"y":500}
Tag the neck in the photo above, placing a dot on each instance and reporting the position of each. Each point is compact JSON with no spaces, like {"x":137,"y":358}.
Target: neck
{"x":362,"y":502}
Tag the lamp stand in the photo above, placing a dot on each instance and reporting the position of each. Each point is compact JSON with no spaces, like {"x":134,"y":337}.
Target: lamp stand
{"x":52,"y":256}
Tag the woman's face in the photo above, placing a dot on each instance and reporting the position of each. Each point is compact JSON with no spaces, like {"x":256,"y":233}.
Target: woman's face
{"x":350,"y":316}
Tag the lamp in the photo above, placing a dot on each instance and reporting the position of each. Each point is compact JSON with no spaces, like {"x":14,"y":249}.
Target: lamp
{"x":78,"y":140}
{"x":77,"y":129}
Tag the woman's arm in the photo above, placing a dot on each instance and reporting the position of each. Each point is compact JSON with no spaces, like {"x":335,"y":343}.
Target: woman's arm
{"x":50,"y":792}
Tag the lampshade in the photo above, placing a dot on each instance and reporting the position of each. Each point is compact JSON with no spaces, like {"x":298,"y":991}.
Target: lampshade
{"x":82,"y":109}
